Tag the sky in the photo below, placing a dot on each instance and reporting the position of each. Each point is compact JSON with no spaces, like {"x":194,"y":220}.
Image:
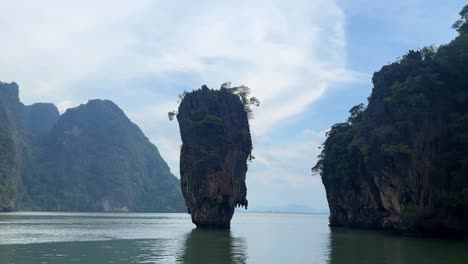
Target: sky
{"x":308,"y":61}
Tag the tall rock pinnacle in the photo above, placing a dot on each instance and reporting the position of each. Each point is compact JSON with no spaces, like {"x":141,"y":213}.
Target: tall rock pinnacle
{"x":213,"y":162}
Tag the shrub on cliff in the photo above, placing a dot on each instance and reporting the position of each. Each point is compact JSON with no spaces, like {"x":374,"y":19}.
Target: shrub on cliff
{"x":408,"y":149}
{"x":242,"y":91}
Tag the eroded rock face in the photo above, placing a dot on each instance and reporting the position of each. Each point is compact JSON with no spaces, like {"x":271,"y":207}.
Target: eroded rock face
{"x":91,"y":158}
{"x":12,"y":147}
{"x":401,"y":164}
{"x":401,"y":192}
{"x":111,"y":165}
{"x":216,"y":145}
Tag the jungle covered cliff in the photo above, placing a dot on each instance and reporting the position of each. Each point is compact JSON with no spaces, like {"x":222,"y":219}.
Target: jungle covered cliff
{"x":401,"y":163}
{"x":90,"y":158}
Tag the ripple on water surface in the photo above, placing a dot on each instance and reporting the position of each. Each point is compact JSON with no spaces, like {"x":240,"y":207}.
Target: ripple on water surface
{"x":171,"y":238}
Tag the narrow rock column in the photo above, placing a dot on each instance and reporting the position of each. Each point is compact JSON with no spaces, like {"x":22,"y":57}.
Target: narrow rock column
{"x":216,"y":144}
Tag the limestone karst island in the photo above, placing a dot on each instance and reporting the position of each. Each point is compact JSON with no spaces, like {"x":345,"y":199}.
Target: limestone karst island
{"x":316,"y":132}
{"x":216,"y":145}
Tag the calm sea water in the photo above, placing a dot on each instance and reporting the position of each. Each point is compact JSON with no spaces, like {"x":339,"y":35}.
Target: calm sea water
{"x":171,"y":238}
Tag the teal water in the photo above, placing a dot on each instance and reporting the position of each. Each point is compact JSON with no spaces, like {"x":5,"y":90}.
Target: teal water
{"x":171,"y":238}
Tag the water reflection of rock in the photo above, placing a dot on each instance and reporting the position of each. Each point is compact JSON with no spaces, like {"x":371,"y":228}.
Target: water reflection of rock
{"x":213,"y":246}
{"x":370,"y":247}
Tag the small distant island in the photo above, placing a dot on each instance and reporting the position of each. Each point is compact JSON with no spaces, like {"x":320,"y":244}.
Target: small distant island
{"x":91,"y":158}
{"x":216,"y":144}
{"x":401,"y":163}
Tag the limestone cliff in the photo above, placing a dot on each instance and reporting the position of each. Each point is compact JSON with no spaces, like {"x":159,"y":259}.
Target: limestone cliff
{"x":96,"y":159}
{"x":91,"y":158}
{"x":216,"y":144}
{"x":11,"y":144}
{"x":402,"y":162}
{"x":41,"y":117}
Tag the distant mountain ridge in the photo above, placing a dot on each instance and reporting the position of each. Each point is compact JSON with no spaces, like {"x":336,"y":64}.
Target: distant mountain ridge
{"x":288,"y":209}
{"x":91,"y":158}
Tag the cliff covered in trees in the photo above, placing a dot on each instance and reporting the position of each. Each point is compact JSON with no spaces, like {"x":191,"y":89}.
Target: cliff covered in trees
{"x":91,"y":158}
{"x":401,"y":163}
{"x":216,"y":145}
{"x":11,"y":144}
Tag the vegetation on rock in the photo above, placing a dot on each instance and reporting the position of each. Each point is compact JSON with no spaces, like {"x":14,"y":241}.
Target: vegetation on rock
{"x":402,"y":161}
{"x":91,"y":158}
{"x":242,"y":91}
{"x":216,"y":145}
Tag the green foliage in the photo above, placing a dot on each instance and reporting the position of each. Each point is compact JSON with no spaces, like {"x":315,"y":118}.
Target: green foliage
{"x":96,"y":154}
{"x":171,"y":115}
{"x":242,"y":91}
{"x":7,"y":154}
{"x":199,"y":114}
{"x":92,"y":156}
{"x":10,"y":130}
{"x":212,"y":120}
{"x":395,"y":149}
{"x":461,"y":25}
{"x":342,"y":157}
{"x":356,"y":113}
{"x":413,"y":130}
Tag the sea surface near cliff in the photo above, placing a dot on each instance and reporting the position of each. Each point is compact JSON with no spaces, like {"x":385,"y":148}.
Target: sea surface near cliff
{"x":171,"y":238}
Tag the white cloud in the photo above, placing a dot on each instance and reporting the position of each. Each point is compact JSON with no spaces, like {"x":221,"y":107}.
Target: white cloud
{"x":282,"y":172}
{"x":288,"y":52}
{"x":288,"y":160}
{"x":64,"y":105}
